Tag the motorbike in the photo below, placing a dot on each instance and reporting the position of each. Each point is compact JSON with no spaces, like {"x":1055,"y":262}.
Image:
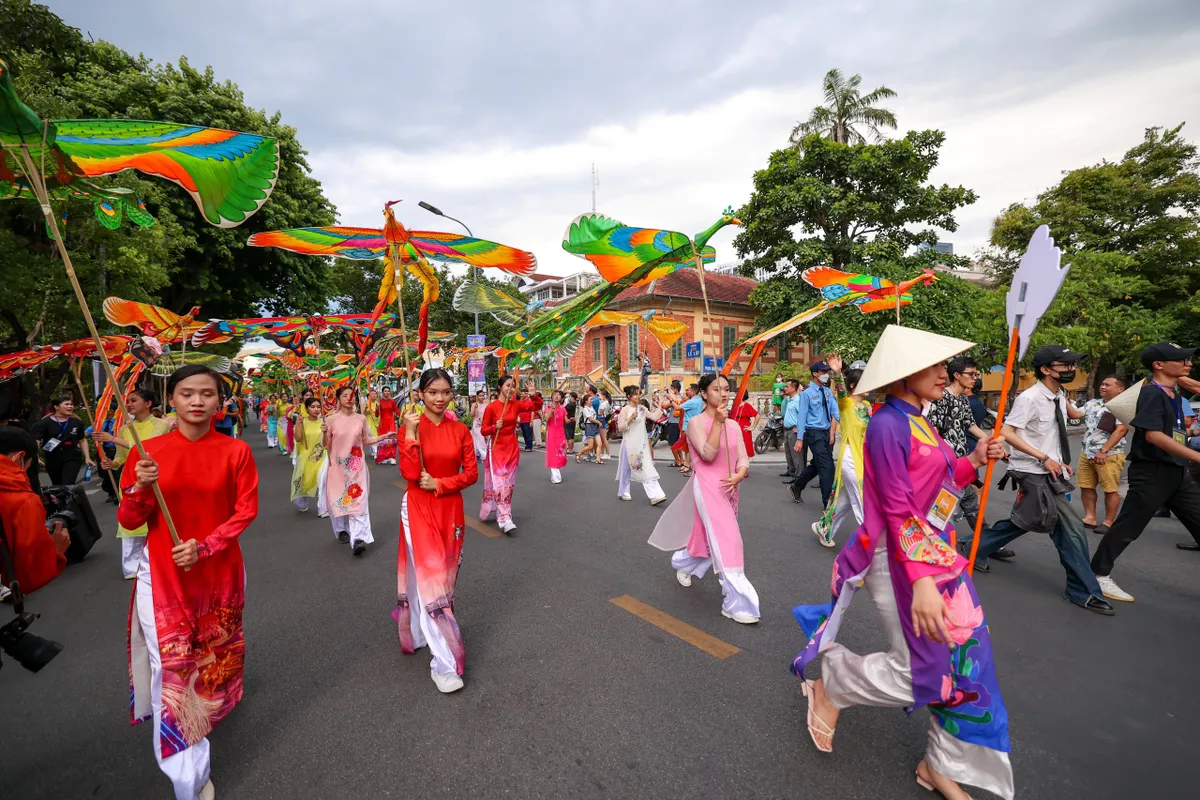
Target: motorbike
{"x":771,"y":437}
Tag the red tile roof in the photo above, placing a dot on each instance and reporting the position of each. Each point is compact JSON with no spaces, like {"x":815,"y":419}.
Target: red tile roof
{"x":733,"y":289}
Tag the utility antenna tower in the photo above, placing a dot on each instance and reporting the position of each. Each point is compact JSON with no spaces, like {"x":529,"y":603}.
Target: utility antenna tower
{"x":595,"y":183}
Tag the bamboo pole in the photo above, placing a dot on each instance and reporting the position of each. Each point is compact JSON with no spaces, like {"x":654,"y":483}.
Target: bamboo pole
{"x":987,"y":476}
{"x":88,"y":408}
{"x":37,"y":182}
{"x":712,"y":335}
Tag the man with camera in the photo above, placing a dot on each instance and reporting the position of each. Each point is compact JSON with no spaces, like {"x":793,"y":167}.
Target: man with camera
{"x":38,"y":553}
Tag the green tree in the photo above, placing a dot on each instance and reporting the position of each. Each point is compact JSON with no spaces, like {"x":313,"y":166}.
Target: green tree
{"x":177,"y":263}
{"x":846,"y":112}
{"x":855,"y":207}
{"x":1130,"y":230}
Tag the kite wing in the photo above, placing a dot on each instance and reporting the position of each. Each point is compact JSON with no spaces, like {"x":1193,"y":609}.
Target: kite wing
{"x":151,"y":320}
{"x":222,"y":330}
{"x":617,"y":249}
{"x":169,"y":362}
{"x":867,"y":305}
{"x":229,"y":174}
{"x":461,"y":249}
{"x":480,"y":298}
{"x":611,"y":318}
{"x":666,"y":330}
{"x":362,"y":244}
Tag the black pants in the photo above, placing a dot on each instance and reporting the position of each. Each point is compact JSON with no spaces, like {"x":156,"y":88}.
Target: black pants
{"x":527,"y":434}
{"x":107,"y":476}
{"x":816,"y":443}
{"x":64,"y":471}
{"x":1151,"y":486}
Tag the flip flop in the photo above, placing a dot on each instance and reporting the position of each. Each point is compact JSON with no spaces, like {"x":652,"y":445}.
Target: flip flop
{"x":820,"y":726}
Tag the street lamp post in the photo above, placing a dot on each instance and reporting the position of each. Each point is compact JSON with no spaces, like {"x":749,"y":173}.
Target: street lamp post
{"x":474,"y":269}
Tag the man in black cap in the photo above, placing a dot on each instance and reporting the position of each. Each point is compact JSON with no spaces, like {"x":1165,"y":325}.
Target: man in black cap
{"x":816,"y":428}
{"x":1037,"y":430}
{"x":1159,"y":458}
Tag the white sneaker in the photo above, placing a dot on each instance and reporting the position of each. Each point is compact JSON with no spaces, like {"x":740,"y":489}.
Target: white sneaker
{"x":208,"y":792}
{"x":508,"y":526}
{"x":1109,"y":588}
{"x":625,"y":497}
{"x":684,"y":578}
{"x":447,"y":683}
{"x":740,"y":616}
{"x":658,"y":500}
{"x":323,"y":515}
{"x":824,"y":542}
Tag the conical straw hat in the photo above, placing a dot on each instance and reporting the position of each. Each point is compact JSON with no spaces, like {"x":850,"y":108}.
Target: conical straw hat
{"x":902,"y":351}
{"x":1124,"y":405}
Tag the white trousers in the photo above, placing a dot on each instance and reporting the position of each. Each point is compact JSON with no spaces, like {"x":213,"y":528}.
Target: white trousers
{"x":272,"y":441}
{"x":131,"y":554}
{"x":624,"y":475}
{"x":322,"y":500}
{"x":885,"y":680}
{"x":358,"y":526}
{"x":738,"y":594}
{"x":537,"y":432}
{"x":424,"y":629}
{"x":555,"y":475}
{"x":849,"y":501}
{"x":187,"y":769}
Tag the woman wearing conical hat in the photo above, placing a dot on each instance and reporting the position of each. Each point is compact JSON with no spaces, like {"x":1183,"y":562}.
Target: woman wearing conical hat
{"x":939,"y":648}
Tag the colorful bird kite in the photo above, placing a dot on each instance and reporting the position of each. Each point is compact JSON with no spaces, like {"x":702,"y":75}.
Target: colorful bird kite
{"x":166,"y":326}
{"x":228,"y":174}
{"x":407,"y":250}
{"x":287,"y":332}
{"x":620,"y":251}
{"x":13,"y":365}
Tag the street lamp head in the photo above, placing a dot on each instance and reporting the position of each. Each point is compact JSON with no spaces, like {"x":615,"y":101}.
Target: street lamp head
{"x":431,"y":209}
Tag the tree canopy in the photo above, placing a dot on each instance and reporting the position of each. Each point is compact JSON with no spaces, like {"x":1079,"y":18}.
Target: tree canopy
{"x":846,"y":112}
{"x":1130,"y":231}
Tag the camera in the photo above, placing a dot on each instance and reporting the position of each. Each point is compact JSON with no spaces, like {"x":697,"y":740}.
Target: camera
{"x":29,"y":650}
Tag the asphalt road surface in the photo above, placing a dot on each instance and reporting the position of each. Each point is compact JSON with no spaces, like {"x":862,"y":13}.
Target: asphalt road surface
{"x":569,"y":694}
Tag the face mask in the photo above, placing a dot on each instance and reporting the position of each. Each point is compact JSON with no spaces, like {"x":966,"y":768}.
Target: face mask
{"x":978,"y":387}
{"x":1066,"y":376}
{"x":823,"y":377}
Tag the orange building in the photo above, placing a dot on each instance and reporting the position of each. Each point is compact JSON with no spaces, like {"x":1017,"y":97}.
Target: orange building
{"x":677,"y":296}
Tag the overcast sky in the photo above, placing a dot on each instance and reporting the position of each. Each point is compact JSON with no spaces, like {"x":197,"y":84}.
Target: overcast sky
{"x":495,"y":111}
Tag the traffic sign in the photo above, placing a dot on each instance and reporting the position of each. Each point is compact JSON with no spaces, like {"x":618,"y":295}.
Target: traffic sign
{"x":693,"y":349}
{"x":709,"y":367}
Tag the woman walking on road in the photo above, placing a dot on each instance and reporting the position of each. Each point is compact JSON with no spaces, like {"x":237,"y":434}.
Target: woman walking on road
{"x":939,"y":646}
{"x":846,"y":500}
{"x":556,"y":437}
{"x":437,"y":458}
{"x":503,"y":456}
{"x":701,"y":525}
{"x":64,"y":442}
{"x":635,"y":461}
{"x":310,"y":454}
{"x":186,"y":643}
{"x":347,"y":481}
{"x":385,"y":451}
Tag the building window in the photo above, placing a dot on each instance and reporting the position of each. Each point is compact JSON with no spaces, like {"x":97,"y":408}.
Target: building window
{"x":784,"y":356}
{"x":677,"y":353}
{"x":634,"y":336}
{"x":728,"y":339}
{"x":596,"y":350}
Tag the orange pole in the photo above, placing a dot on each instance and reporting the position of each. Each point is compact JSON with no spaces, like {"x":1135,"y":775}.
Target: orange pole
{"x":987,"y":476}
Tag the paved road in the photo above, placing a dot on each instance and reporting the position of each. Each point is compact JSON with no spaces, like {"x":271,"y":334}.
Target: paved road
{"x":570,"y":695}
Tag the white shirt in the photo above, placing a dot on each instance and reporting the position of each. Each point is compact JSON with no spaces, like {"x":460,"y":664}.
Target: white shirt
{"x":1033,"y":416}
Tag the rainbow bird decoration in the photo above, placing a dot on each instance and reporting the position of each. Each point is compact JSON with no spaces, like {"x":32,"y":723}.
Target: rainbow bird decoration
{"x":110,"y":206}
{"x":13,"y":365}
{"x":290,"y":333}
{"x":151,"y":320}
{"x":630,"y":256}
{"x":228,"y":174}
{"x":405,"y":250}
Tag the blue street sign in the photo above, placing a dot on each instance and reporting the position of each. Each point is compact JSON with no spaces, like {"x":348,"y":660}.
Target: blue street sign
{"x":709,"y":367}
{"x":692,"y":350}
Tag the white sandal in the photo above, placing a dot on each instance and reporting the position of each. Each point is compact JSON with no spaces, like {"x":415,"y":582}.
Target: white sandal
{"x":820,"y":726}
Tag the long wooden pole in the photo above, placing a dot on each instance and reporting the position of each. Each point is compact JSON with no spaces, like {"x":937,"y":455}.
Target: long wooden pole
{"x":88,"y":408}
{"x":712,"y":336}
{"x":398,"y":272}
{"x":37,"y":182}
{"x":987,"y":476}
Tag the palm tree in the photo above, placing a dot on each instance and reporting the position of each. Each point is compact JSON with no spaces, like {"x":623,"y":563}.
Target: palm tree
{"x":846,"y":111}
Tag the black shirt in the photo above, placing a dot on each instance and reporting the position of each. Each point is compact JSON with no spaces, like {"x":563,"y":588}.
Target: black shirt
{"x":570,"y":409}
{"x":68,"y":434}
{"x":1156,"y":411}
